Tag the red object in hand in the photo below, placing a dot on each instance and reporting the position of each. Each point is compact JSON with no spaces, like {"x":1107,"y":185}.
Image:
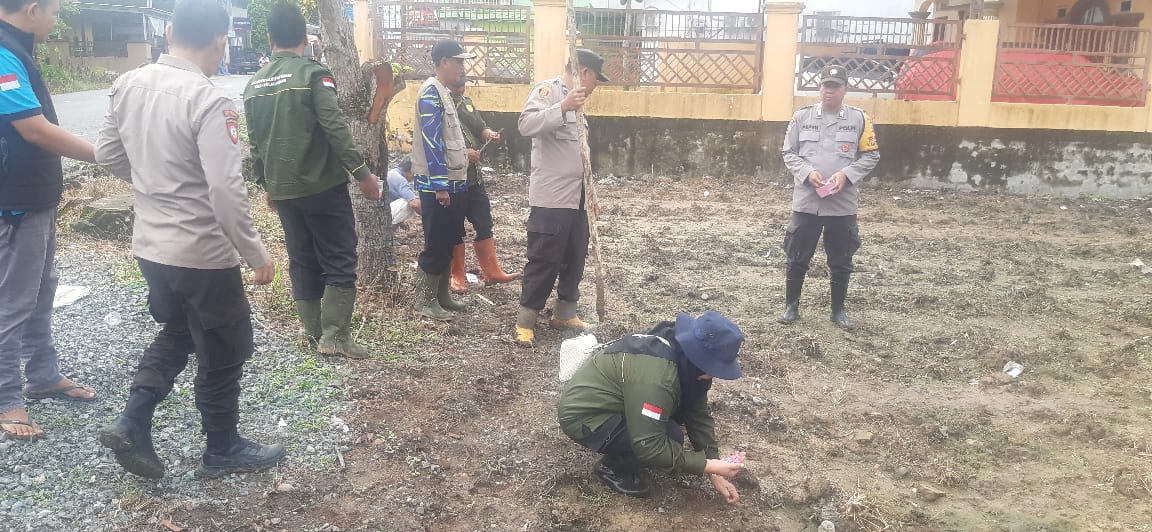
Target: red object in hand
{"x":736,"y":458}
{"x":827,"y":189}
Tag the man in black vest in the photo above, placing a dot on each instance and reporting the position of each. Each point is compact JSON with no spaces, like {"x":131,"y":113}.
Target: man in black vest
{"x":31,"y":180}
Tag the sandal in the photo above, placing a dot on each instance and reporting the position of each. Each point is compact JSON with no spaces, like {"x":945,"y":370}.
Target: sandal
{"x":62,"y":394}
{"x":15,"y":436}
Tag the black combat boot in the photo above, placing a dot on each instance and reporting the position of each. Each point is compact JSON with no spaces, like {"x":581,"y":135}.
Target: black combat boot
{"x":839,"y":289}
{"x":242,"y":456}
{"x":622,"y":478}
{"x":793,"y":286}
{"x":130,"y":435}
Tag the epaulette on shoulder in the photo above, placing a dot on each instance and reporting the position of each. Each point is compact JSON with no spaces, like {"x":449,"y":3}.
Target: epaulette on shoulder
{"x":854,"y":108}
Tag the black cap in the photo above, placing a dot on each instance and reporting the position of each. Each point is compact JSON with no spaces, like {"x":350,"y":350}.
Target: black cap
{"x":592,"y":60}
{"x":835,"y":73}
{"x":449,"y":48}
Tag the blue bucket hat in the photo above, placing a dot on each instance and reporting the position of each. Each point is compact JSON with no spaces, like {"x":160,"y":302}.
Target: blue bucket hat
{"x":711,"y":342}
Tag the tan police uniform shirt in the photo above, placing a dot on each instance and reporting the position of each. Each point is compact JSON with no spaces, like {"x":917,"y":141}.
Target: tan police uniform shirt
{"x":845,"y":142}
{"x":557,"y":171}
{"x":177,"y":138}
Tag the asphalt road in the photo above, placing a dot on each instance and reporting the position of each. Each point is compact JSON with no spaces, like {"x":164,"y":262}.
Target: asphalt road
{"x":82,"y":113}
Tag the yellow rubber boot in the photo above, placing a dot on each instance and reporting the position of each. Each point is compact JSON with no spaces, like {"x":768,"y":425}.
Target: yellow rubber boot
{"x":564,"y":317}
{"x":525,"y":334}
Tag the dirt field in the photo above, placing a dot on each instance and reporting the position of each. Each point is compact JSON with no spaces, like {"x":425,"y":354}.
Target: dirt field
{"x":907,"y":423}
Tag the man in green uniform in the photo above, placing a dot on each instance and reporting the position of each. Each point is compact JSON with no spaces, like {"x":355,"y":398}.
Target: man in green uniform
{"x":629,"y":400}
{"x":477,"y":206}
{"x":303,"y":153}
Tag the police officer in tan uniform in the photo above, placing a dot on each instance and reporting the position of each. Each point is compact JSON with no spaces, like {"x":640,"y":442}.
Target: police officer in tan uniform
{"x":558,"y":223}
{"x":829,"y":148}
{"x":176,"y":137}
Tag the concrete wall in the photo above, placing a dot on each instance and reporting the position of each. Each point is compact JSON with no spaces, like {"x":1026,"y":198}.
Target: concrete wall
{"x":970,"y":143}
{"x":1063,"y":163}
{"x":139,"y":53}
{"x":777,"y":101}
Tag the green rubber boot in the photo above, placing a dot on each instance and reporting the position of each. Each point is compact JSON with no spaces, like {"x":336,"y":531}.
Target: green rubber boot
{"x":336,"y":324}
{"x":444,"y":295}
{"x":309,"y":310}
{"x":427,"y":303}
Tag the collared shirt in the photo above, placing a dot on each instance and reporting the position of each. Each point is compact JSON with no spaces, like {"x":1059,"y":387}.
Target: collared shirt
{"x":557,"y":178}
{"x":176,"y":137}
{"x":398,"y":187}
{"x":300,"y":141}
{"x":845,"y":142}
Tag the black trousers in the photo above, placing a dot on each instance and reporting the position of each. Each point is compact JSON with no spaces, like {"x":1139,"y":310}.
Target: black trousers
{"x":204,"y":312}
{"x":478,"y":212}
{"x":442,"y":231}
{"x":611,"y":439}
{"x":320,"y":234}
{"x":557,"y":249}
{"x":841,"y":240}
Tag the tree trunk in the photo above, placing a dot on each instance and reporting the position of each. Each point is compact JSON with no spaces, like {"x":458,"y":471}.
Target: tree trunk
{"x":355,"y":84}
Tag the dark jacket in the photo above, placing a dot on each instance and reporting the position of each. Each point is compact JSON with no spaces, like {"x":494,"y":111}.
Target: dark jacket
{"x":473,"y":126}
{"x":300,"y":141}
{"x":646,"y":390}
{"x":31,"y":178}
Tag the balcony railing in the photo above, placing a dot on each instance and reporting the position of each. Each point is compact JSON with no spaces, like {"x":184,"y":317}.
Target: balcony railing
{"x":497,"y":33}
{"x":909,"y":58}
{"x":1056,"y":63}
{"x":653,"y":48}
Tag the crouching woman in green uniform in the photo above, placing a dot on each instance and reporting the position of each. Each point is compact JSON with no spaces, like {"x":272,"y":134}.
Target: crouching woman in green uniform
{"x":630,"y":398}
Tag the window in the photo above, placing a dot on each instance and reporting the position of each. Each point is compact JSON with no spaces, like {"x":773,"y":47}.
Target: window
{"x":1062,"y":12}
{"x":1094,"y":15}
{"x":1126,"y":6}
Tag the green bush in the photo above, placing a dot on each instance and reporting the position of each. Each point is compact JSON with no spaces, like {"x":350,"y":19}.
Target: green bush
{"x":61,"y":78}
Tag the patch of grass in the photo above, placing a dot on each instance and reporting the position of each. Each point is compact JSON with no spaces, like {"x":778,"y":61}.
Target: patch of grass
{"x":393,"y":338}
{"x":134,"y":499}
{"x":127,"y":273}
{"x":595,"y":497}
{"x":315,"y":424}
{"x":307,"y":385}
{"x":275,"y":299}
{"x":61,"y":78}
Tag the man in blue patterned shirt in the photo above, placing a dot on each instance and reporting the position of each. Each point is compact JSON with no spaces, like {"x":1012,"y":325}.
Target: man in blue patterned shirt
{"x":440,"y":162}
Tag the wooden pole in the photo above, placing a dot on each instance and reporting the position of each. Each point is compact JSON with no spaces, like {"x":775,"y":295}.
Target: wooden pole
{"x":591,"y":202}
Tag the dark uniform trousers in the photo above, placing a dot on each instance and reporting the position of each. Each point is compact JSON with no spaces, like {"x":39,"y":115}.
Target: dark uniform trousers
{"x":841,"y":240}
{"x":478,"y":210}
{"x":204,"y":312}
{"x":320,"y":235}
{"x":611,"y":439}
{"x":557,"y":248}
{"x":443,"y":228}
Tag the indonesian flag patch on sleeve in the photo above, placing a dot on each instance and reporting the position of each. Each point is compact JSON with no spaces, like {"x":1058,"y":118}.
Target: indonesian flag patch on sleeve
{"x":328,"y":82}
{"x":232,"y":123}
{"x":9,"y":82}
{"x":652,"y":411}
